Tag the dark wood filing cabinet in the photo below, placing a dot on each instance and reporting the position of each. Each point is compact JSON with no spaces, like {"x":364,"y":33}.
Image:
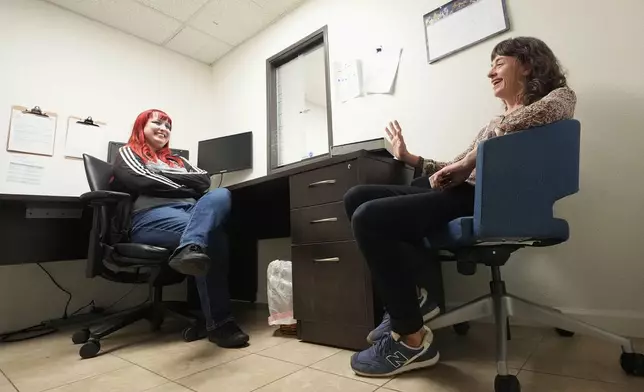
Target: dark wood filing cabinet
{"x":334,"y":301}
{"x":333,"y":297}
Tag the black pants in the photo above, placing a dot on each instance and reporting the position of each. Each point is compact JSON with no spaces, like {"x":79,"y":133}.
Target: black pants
{"x":386,"y":219}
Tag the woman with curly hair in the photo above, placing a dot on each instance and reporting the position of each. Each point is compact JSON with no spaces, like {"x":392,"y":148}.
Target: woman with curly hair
{"x":527,"y":77}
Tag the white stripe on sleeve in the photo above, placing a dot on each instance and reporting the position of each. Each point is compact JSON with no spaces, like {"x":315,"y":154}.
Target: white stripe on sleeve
{"x":135,"y":165}
{"x":195,"y":168}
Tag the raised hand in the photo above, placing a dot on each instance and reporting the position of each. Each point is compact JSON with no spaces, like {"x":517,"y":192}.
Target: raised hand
{"x":394,"y":134}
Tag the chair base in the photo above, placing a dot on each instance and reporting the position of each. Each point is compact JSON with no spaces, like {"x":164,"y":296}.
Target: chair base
{"x":154,"y":311}
{"x":501,"y":305}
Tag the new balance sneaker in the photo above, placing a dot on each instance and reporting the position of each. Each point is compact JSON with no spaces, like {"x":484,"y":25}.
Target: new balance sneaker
{"x":428,"y":309}
{"x":390,"y":356}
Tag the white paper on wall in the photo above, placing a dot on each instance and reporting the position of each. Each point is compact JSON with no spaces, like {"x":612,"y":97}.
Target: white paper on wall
{"x":347,"y":79}
{"x":380,"y":70}
{"x":24,"y":170}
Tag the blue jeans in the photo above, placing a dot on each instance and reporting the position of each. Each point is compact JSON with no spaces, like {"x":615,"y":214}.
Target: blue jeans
{"x":176,"y":225}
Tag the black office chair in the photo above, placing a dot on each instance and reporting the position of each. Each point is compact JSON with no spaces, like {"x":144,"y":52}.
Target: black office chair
{"x":112,"y":257}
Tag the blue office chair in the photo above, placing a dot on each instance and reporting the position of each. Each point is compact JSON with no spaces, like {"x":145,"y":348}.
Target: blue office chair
{"x":518,"y":179}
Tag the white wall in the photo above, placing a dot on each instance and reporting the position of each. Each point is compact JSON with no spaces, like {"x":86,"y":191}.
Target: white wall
{"x":73,"y":66}
{"x":598,"y":274}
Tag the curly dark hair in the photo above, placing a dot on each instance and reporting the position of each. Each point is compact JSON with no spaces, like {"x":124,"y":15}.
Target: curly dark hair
{"x":545,"y":71}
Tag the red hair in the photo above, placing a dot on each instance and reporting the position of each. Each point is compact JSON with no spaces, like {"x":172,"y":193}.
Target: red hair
{"x":138,"y":144}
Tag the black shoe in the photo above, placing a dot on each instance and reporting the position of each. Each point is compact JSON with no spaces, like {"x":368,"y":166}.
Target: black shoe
{"x":191,"y":260}
{"x":228,"y":335}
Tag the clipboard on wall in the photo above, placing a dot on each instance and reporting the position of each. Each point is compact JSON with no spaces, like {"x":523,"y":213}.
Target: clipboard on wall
{"x":85,"y":136}
{"x":31,"y":131}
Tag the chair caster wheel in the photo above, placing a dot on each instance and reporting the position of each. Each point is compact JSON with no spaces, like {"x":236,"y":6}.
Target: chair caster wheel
{"x":506,"y":384}
{"x":192,"y":333}
{"x":564,"y":333}
{"x":90,"y":349}
{"x":461,"y":329}
{"x":633,"y":364}
{"x":80,"y":337}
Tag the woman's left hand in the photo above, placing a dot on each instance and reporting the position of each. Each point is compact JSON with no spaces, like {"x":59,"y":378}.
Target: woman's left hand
{"x":450,"y":176}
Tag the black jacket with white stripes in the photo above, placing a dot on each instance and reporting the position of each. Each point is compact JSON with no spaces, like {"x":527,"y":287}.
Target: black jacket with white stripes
{"x":133,"y":176}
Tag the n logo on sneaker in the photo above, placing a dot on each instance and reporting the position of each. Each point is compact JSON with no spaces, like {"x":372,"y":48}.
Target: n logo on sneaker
{"x":397,"y":359}
{"x":422,"y":297}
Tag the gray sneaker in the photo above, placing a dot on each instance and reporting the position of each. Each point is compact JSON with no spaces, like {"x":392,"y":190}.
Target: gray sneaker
{"x":390,"y":356}
{"x":428,"y":309}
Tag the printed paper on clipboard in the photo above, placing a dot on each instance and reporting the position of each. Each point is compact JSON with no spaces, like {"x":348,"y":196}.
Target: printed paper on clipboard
{"x":85,"y":138}
{"x":31,"y":132}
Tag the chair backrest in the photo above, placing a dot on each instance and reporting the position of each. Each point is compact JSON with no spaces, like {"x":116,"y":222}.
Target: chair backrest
{"x":111,"y":226}
{"x":99,"y":173}
{"x":520,"y":176}
{"x":108,"y":221}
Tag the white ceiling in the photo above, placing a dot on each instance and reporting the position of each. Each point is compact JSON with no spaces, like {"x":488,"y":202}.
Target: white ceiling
{"x":202,"y":29}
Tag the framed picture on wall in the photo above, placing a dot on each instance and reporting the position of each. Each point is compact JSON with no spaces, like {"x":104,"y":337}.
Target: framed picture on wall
{"x":460,"y":24}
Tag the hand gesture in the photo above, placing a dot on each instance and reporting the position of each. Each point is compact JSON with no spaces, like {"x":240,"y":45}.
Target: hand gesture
{"x":450,"y":176}
{"x":394,"y":134}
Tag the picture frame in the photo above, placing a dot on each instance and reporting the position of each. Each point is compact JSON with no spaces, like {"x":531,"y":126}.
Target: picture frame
{"x":461,"y":24}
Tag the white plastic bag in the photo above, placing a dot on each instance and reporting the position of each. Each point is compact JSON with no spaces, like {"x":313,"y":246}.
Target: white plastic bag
{"x":280,"y":293}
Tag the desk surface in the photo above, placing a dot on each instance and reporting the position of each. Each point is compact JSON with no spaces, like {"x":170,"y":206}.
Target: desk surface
{"x":310,"y":166}
{"x":39,"y":198}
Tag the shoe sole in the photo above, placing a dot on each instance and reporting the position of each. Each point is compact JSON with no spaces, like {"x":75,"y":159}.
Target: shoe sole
{"x":435,"y":312}
{"x":189,"y":267}
{"x":404,"y":368}
{"x":240,"y":344}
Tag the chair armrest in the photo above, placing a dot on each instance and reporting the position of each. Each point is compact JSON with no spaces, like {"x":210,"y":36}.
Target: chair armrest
{"x":104,"y":197}
{"x":520,"y":176}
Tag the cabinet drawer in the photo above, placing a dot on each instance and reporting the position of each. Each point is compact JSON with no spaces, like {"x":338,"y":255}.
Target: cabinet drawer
{"x":330,"y":284}
{"x":324,"y":185}
{"x":323,"y":223}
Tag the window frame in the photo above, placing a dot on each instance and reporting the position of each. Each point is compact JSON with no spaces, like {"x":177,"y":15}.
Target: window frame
{"x":317,"y":38}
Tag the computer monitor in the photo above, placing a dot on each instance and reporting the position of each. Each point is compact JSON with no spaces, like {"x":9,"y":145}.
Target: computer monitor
{"x":113,"y":149}
{"x":226,"y":154}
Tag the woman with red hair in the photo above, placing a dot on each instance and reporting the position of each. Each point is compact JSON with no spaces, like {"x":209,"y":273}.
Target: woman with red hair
{"x":174,"y":209}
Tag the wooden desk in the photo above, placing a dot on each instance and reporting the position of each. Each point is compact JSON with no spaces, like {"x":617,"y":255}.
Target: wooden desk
{"x":29,"y":235}
{"x":261,"y":210}
{"x":333,"y":298}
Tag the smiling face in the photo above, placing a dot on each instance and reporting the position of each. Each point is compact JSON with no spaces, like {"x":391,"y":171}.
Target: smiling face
{"x":157,"y":132}
{"x":508,"y":77}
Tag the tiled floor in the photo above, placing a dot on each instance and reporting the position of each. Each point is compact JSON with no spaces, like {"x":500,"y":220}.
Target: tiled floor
{"x":135,"y":360}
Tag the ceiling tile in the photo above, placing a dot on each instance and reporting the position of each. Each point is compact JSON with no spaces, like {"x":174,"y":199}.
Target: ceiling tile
{"x":126,"y":15}
{"x":198,"y":45}
{"x":180,"y":9}
{"x":275,"y":8}
{"x":232,"y":21}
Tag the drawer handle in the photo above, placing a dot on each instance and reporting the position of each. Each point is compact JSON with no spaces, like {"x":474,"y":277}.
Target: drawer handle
{"x":323,"y":182}
{"x":325,"y":220}
{"x":328,"y":260}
